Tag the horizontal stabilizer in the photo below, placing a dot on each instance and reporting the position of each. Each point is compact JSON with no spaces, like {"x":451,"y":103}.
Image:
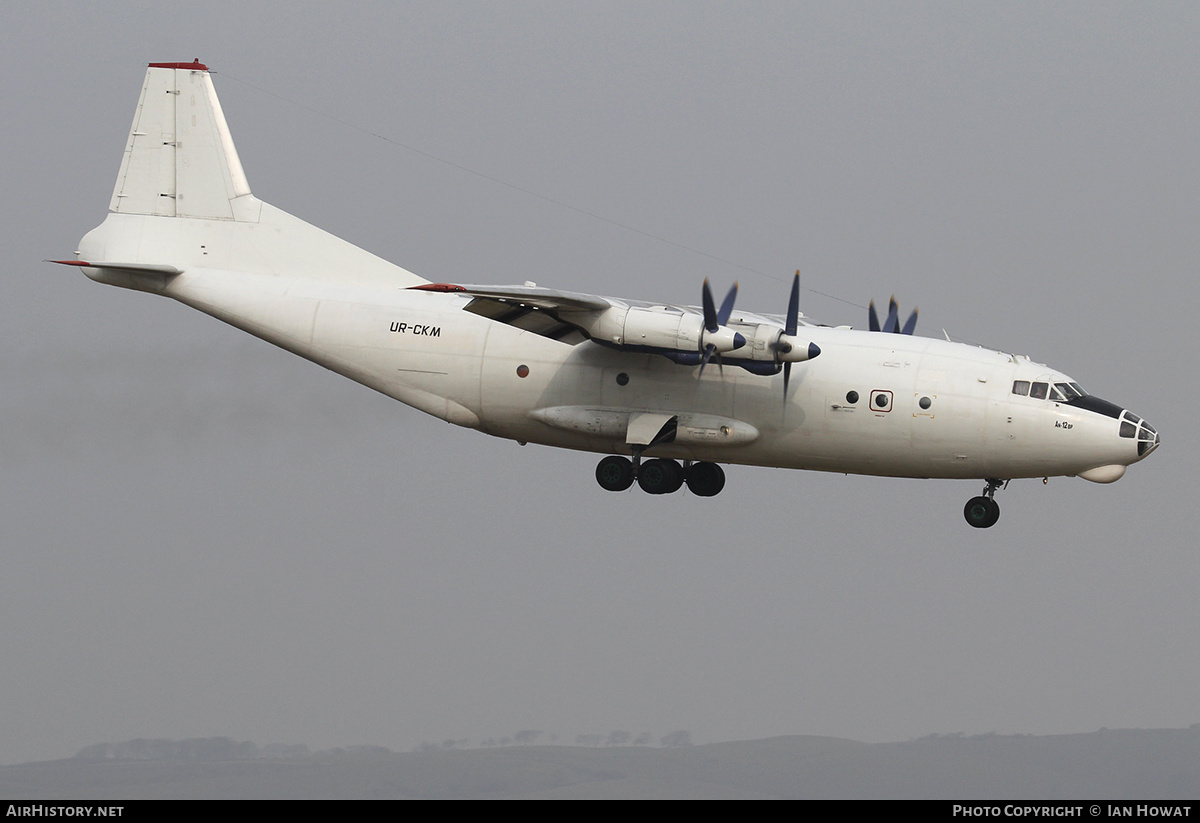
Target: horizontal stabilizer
{"x":131,"y":268}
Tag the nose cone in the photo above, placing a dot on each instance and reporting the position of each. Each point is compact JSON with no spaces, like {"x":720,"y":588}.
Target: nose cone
{"x":1137,"y":439}
{"x":1140,"y":437}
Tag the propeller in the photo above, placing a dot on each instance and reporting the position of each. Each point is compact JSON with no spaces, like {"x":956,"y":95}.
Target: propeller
{"x":715,"y":337}
{"x":892,"y":324}
{"x":787,"y":348}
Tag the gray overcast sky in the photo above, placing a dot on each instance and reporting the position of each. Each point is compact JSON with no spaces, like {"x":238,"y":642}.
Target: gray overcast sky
{"x":202,"y":535}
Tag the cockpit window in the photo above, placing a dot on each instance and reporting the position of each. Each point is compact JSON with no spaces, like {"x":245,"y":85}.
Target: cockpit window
{"x":1068,"y":390}
{"x":1127,"y":429}
{"x":1059,"y":392}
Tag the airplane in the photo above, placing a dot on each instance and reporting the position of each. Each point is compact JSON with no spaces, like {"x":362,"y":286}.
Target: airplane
{"x":667,"y":392}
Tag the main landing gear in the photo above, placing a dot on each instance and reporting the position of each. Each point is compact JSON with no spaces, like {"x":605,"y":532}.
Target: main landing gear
{"x":659,"y":476}
{"x":982,"y":512}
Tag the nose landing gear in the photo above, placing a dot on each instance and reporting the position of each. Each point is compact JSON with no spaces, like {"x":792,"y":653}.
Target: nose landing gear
{"x":982,"y":512}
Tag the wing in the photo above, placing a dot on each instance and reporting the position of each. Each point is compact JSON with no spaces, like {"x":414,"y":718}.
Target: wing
{"x":570,"y":317}
{"x":686,"y":335}
{"x":532,"y":296}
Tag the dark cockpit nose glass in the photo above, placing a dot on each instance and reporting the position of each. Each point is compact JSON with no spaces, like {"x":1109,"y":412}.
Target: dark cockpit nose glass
{"x":1134,"y":427}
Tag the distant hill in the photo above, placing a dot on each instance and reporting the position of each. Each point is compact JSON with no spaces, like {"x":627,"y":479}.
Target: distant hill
{"x":1108,"y":764}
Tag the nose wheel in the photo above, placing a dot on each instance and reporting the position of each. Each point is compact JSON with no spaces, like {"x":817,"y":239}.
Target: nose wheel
{"x":982,"y":512}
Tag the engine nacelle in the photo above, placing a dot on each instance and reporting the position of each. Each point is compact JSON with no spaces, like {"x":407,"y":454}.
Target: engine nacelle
{"x":661,"y":328}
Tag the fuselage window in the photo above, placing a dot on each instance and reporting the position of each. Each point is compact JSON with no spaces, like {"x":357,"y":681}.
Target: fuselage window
{"x":1021,"y":387}
{"x":1038,"y":391}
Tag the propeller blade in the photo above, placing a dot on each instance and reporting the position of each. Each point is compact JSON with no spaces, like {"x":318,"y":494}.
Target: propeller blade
{"x":715,"y":334}
{"x":790,"y":324}
{"x":726,"y":305}
{"x":793,"y":313}
{"x":892,"y":324}
{"x":708,"y":353}
{"x":711,"y":323}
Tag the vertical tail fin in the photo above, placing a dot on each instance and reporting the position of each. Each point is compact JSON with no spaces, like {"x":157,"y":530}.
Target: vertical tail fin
{"x":180,"y":160}
{"x":182,"y":202}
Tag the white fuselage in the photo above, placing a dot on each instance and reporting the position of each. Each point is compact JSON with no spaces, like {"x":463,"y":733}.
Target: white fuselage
{"x":589,"y":373}
{"x":423,"y":349}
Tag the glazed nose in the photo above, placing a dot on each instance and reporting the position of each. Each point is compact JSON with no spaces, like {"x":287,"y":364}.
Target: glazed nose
{"x":1136,"y":428}
{"x":1147,"y":439}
